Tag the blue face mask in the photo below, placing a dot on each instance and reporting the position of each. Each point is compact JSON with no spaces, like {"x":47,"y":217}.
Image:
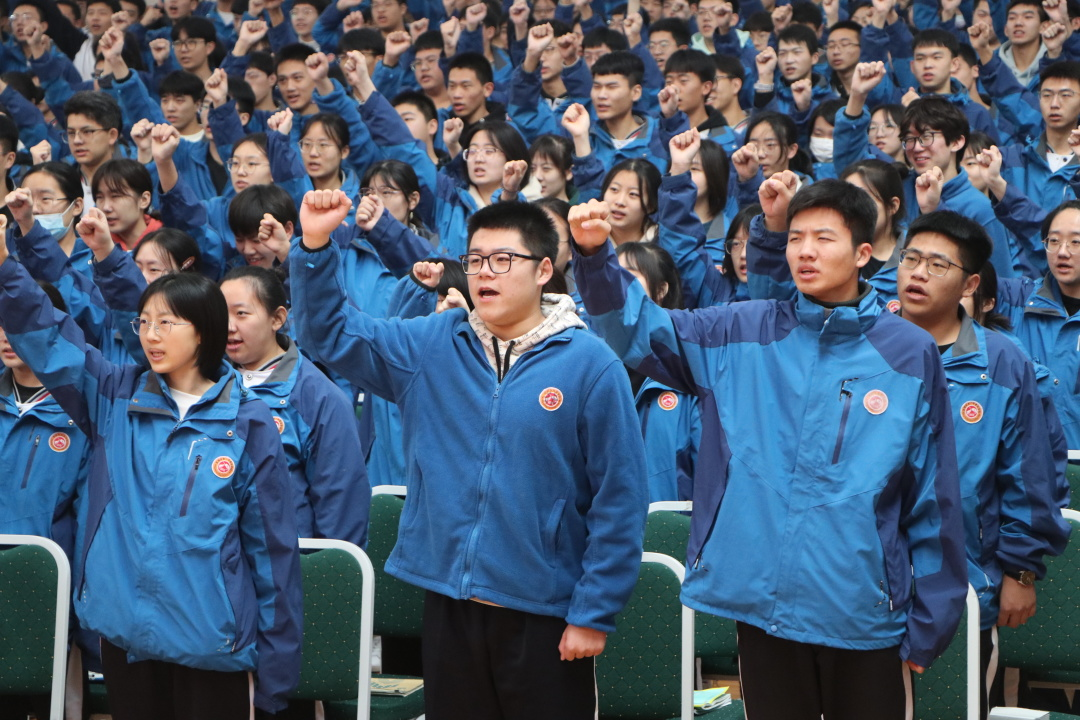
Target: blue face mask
{"x":54,"y":223}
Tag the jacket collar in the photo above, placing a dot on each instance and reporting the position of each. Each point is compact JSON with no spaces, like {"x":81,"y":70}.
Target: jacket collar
{"x":968,"y":353}
{"x":219,"y":405}
{"x":846,"y":320}
{"x":283,"y":377}
{"x":1046,"y":300}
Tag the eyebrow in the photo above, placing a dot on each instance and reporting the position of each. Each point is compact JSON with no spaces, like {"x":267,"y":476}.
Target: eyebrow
{"x":939,"y":256}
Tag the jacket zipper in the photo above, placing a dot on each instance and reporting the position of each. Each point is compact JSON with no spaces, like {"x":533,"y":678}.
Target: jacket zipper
{"x":190,"y":485}
{"x":845,"y":395}
{"x":30,"y":461}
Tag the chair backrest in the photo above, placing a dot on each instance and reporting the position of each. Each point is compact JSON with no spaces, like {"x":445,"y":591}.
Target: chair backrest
{"x":399,"y":607}
{"x":950,"y":687}
{"x":1050,"y":641}
{"x":339,"y":603}
{"x":1072,"y":474}
{"x":667,"y":531}
{"x":647,"y":669}
{"x":35,"y":594}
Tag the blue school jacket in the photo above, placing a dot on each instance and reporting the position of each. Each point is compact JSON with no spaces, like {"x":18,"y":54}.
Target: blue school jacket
{"x":826,"y":503}
{"x":671,"y":426}
{"x":187,"y":548}
{"x":530,"y":492}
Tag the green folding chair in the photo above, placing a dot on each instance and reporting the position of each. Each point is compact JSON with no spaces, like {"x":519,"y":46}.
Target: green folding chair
{"x":1072,"y":474}
{"x":339,"y":608}
{"x":950,"y":687}
{"x":35,"y":594}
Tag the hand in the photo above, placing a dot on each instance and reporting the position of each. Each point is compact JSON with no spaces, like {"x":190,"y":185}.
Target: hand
{"x":781,"y":18}
{"x":318,"y":69}
{"x":1074,"y":141}
{"x":540,"y":36}
{"x":766,"y":64}
{"x":451,"y":132}
{"x":928,"y":189}
{"x":451,"y":33}
{"x":831,"y":8}
{"x":519,"y":15}
{"x":909,"y":97}
{"x":397,"y":43}
{"x":93,"y":228}
{"x":882,"y":11}
{"x":669,"y":100}
{"x":428,"y":274}
{"x":368,"y":212}
{"x":281,"y":121}
{"x":745,"y":160}
{"x":775,"y":196}
{"x":140,"y":135}
{"x":684,"y":148}
{"x":578,"y":642}
{"x":1056,"y":11}
{"x":867,"y":76}
{"x":801,"y":91}
{"x":111,"y":44}
{"x":272,"y":234}
{"x":251,"y":32}
{"x":3,"y":235}
{"x":120,"y":21}
{"x":1054,"y":35}
{"x":474,"y":16}
{"x":949,"y":8}
{"x":590,"y":227}
{"x":321,"y":213}
{"x":418,"y":28}
{"x":513,"y":173}
{"x":568,"y":49}
{"x":344,"y":5}
{"x":152,"y":15}
{"x":453,"y":299}
{"x":355,"y":68}
{"x":217,"y":88}
{"x":353,"y":21}
{"x":919,"y":669}
{"x":576,"y":120}
{"x":42,"y":152}
{"x":632,"y":25}
{"x":164,"y":141}
{"x":723,"y":22}
{"x":979,"y":33}
{"x":1017,"y":603}
{"x":39,"y":42}
{"x":21,"y":205}
{"x":159,"y":50}
{"x":990,"y":160}
{"x":256,"y":7}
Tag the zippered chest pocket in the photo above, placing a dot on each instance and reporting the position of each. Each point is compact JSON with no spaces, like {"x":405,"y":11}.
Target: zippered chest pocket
{"x":874,"y":421}
{"x":202,"y":502}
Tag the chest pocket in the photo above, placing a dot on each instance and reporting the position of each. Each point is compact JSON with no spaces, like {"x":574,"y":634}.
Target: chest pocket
{"x":202,"y":504}
{"x":874,"y":421}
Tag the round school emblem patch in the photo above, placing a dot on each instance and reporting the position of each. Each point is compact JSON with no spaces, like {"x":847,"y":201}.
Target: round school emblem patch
{"x":971,"y":411}
{"x":668,"y":400}
{"x":875,"y":402}
{"x":893,"y":306}
{"x":223,"y":466}
{"x":280,"y":424}
{"x":59,"y":441}
{"x":551,"y":398}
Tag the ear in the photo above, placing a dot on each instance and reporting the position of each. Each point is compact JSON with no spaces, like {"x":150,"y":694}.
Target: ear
{"x":569,"y":175}
{"x":114,"y":135}
{"x":488,"y":89}
{"x":954,"y":65}
{"x":989,"y":304}
{"x":414,"y":200}
{"x":345,"y":152}
{"x":544,"y":272}
{"x":144,"y":201}
{"x":734,"y":19}
{"x":737,"y":84}
{"x":706,"y":88}
{"x":77,"y":206}
{"x":958,"y":145}
{"x":792,"y":150}
{"x":9,"y":161}
{"x":635,"y":93}
{"x":432,"y":127}
{"x":971,"y":284}
{"x":814,"y":58}
{"x":661,"y":293}
{"x":210,"y":47}
{"x":863,"y":253}
{"x":278,"y":318}
{"x":894,"y":205}
{"x":289,"y":228}
{"x":245,"y":118}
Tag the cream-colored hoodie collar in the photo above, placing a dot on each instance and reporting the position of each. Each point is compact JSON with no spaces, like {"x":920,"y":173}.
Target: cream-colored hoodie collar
{"x":560,"y":313}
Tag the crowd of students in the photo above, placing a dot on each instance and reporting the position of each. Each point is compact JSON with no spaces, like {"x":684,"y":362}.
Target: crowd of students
{"x":812,"y":265}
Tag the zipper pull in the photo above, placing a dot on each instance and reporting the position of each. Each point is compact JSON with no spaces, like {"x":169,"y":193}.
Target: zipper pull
{"x":843,"y":388}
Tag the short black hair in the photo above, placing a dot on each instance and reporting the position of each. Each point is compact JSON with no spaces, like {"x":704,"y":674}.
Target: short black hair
{"x":181,"y":248}
{"x":620,"y":62}
{"x":827,"y":110}
{"x":181,"y":82}
{"x":691,"y":61}
{"x":1061,"y":70}
{"x":475,"y":62}
{"x":333,"y":125}
{"x":658,"y":268}
{"x":242,"y":94}
{"x":972,"y":241}
{"x":431,"y":40}
{"x":846,"y":25}
{"x":418,"y":100}
{"x":1043,"y":17}
{"x":266,"y":284}
{"x":1052,"y":215}
{"x":715,"y":166}
{"x":504,"y":136}
{"x":319,"y":5}
{"x":9,"y":135}
{"x":807,"y":12}
{"x":531,"y":223}
{"x":730,"y":66}
{"x":759,"y":22}
{"x":195,"y":27}
{"x":678,"y":29}
{"x":556,"y":148}
{"x":250,"y":204}
{"x":968,"y":55}
{"x":99,"y":106}
{"x":936,"y":37}
{"x":362,"y":39}
{"x":195,"y":298}
{"x":23,"y":83}
{"x":939,"y":115}
{"x":121,"y":175}
{"x":856,"y":208}
{"x":297,"y":52}
{"x":613,"y":39}
{"x":262,"y":61}
{"x":77,"y":11}
{"x":799,"y":35}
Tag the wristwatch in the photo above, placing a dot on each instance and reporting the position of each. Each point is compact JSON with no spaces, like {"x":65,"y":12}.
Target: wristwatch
{"x":1024,"y":577}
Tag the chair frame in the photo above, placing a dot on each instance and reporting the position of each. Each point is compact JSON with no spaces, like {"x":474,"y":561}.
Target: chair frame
{"x":367,"y":614}
{"x":63,"y":604}
{"x":399,"y":490}
{"x":671,"y":506}
{"x":686,"y":693}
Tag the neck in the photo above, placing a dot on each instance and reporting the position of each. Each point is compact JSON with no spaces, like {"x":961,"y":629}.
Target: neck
{"x":67,"y":243}
{"x":973,"y":93}
{"x":506,"y":333}
{"x":554,"y":87}
{"x":305,"y":38}
{"x":224,"y":6}
{"x":189,"y":380}
{"x":329,"y":182}
{"x":131,"y":235}
{"x":23,"y":375}
{"x":487,"y":190}
{"x":310,"y":109}
{"x":622,"y":235}
{"x":1072,"y":290}
{"x":884,"y":244}
{"x":434,"y":156}
{"x":203,"y":71}
{"x":190,"y":129}
{"x":1058,"y":141}
{"x":945,"y":329}
{"x":272,"y":351}
{"x":949,"y":171}
{"x":701,"y":209}
{"x":88,"y":170}
{"x":621,"y":127}
{"x":698,"y":115}
{"x":942,"y":89}
{"x":845,"y":295}
{"x":733,"y":113}
{"x":477,"y":115}
{"x":845,"y":77}
{"x":708,"y":41}
{"x":1024,"y":55}
{"x":267,"y":103}
{"x":387,"y":31}
{"x":439,"y":96}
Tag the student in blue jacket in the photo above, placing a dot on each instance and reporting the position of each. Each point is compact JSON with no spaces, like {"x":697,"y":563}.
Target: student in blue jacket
{"x":1010,"y":480}
{"x":187,"y":562}
{"x":524,"y":567}
{"x":827,"y":478}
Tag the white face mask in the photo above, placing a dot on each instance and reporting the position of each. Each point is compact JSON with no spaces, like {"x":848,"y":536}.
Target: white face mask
{"x":821,"y":149}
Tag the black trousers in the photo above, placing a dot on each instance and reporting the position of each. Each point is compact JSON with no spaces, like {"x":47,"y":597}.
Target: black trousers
{"x":151,"y":689}
{"x":483,"y":662}
{"x":787,"y":680}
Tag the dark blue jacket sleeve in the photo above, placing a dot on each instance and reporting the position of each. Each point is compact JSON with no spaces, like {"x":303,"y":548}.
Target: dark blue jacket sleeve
{"x":398,"y":247}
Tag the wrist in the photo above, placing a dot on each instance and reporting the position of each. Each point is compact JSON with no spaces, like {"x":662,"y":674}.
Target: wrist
{"x":1024,"y":578}
{"x":678,"y":168}
{"x":775,"y":224}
